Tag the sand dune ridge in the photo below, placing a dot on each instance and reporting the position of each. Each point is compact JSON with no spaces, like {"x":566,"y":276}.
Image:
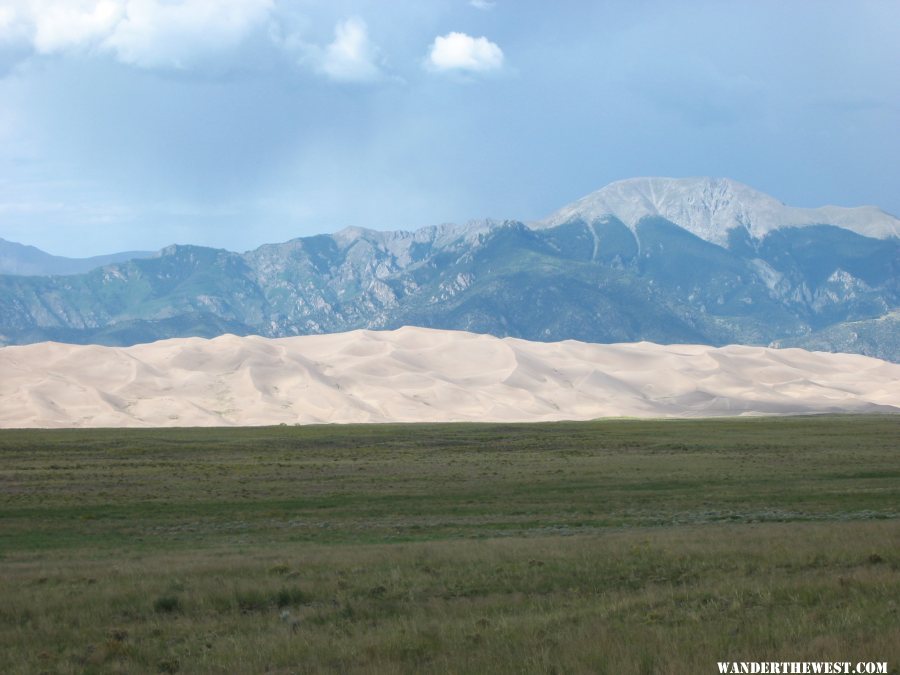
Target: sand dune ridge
{"x":419,"y":375}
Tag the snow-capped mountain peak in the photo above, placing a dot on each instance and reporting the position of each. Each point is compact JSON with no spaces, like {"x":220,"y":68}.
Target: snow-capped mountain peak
{"x":711,"y":207}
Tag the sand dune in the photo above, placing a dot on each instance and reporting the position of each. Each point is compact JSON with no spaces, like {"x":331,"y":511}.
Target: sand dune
{"x":418,"y":375}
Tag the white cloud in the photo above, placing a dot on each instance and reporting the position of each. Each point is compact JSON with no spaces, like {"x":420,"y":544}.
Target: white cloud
{"x":458,"y":51}
{"x":7,"y":16}
{"x":14,"y":29}
{"x":179,"y":34}
{"x":59,"y":26}
{"x":482,"y":4}
{"x":145,"y":33}
{"x":155,"y":33}
{"x":9,"y":23}
{"x":351,"y":57}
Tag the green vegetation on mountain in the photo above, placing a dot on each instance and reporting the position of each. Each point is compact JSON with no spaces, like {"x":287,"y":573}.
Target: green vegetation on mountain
{"x":596,"y":282}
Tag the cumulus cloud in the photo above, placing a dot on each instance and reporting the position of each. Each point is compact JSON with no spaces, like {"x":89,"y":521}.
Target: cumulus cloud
{"x":144,"y":33}
{"x":7,"y":16}
{"x":154,"y":33}
{"x":178,"y":34}
{"x":11,"y":28}
{"x":461,"y":52}
{"x":351,"y":57}
{"x":59,"y":26}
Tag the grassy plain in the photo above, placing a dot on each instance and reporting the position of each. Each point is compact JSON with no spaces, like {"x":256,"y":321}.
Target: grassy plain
{"x":616,"y":546}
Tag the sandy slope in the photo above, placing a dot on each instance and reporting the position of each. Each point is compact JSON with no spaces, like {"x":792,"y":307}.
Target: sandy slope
{"x":416,"y":374}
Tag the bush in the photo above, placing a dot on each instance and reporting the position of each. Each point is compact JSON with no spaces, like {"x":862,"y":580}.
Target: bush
{"x":167,"y":604}
{"x":251,"y":601}
{"x":258,"y":601}
{"x":290,"y":596}
{"x":168,"y":666}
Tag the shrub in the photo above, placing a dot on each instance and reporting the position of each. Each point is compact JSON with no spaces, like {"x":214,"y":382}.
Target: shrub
{"x":290,"y":596}
{"x":168,"y":666}
{"x":167,"y":604}
{"x":251,"y":601}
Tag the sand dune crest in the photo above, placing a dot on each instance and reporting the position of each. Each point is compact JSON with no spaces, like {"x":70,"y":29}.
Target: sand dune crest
{"x":422,"y":375}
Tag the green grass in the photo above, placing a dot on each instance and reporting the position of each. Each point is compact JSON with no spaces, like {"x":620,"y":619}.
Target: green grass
{"x":617,"y":546}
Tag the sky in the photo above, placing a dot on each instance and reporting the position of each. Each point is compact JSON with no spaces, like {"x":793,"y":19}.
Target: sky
{"x":134,"y":124}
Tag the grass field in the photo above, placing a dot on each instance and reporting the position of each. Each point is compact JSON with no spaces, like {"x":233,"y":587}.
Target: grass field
{"x":607,"y":547}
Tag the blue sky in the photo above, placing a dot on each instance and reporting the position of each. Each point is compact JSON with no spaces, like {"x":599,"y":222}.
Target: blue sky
{"x":132,"y":124}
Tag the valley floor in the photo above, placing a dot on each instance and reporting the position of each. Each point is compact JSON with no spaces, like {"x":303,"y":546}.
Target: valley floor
{"x":616,"y":546}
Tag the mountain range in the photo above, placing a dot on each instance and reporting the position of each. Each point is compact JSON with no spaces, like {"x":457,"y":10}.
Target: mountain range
{"x":697,"y":260}
{"x":31,"y":261}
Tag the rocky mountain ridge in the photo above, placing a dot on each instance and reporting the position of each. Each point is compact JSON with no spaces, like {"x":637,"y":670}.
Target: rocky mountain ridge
{"x":596,"y":279}
{"x":712,"y":207}
{"x":26,"y":260}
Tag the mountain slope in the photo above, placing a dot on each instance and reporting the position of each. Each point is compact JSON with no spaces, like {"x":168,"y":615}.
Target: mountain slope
{"x":30,"y":261}
{"x":711,"y":207}
{"x":596,"y":281}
